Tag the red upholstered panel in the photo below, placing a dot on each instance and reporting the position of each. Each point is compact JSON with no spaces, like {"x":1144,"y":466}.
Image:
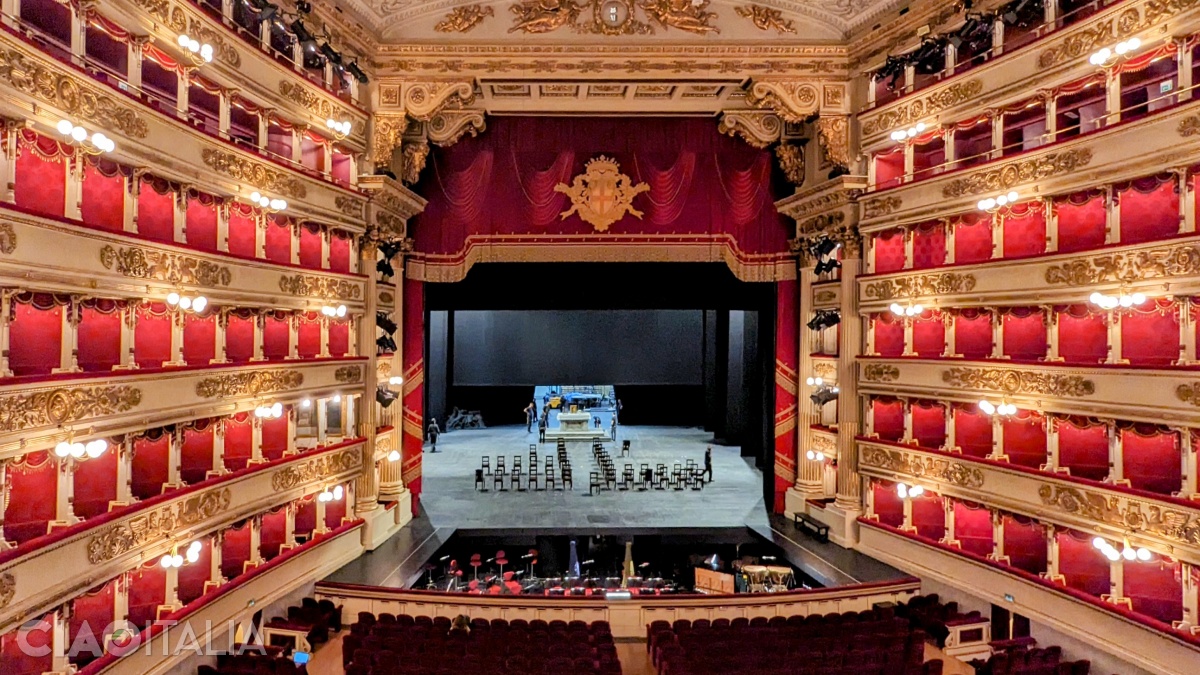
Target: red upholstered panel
{"x":973,"y":336}
{"x":306,"y":516}
{"x":1085,"y":568}
{"x":308,"y":335}
{"x":1155,"y":589}
{"x":15,"y":656}
{"x":150,"y":466}
{"x":202,"y":224}
{"x":193,"y":575}
{"x":888,"y":505}
{"x":239,"y":441}
{"x":341,"y":168}
{"x":99,"y":339}
{"x":973,"y":239}
{"x":275,"y":337}
{"x":972,"y":431}
{"x":279,"y":141}
{"x":888,"y":419}
{"x":310,"y":247}
{"x":199,"y":339}
{"x":41,"y":184}
{"x":152,"y":336}
{"x":1082,"y":336}
{"x":339,"y":252}
{"x":95,"y":484}
{"x":335,"y":511}
{"x":29,"y":510}
{"x":91,"y":613}
{"x":1152,"y":459}
{"x":1025,"y":544}
{"x":35,"y":340}
{"x":156,"y":213}
{"x":1024,"y":336}
{"x":275,"y":436}
{"x":1150,"y":338}
{"x":196,"y":454}
{"x":235,"y":551}
{"x":973,"y":528}
{"x":312,"y":155}
{"x":273,"y":524}
{"x":239,"y":339}
{"x":889,"y":168}
{"x":889,"y":334}
{"x":103,"y":203}
{"x":1080,"y":222}
{"x":1025,"y":439}
{"x":242,"y":229}
{"x":929,"y":424}
{"x":889,"y":251}
{"x":147,"y":590}
{"x":279,"y":241}
{"x":929,"y":517}
{"x":929,"y":335}
{"x":339,"y":338}
{"x":1149,"y":209}
{"x":1083,"y":449}
{"x":1025,"y":232}
{"x":929,"y":246}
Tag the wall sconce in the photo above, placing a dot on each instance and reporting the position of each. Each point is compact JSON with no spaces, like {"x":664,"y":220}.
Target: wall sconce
{"x":992,"y":203}
{"x":174,"y":560}
{"x":92,"y":449}
{"x":197,"y":51}
{"x":1106,"y":57}
{"x":911,"y":310}
{"x":1004,"y":409}
{"x":306,"y":403}
{"x":265,"y":202}
{"x":331,"y":495}
{"x":91,"y":144}
{"x":393,"y":456}
{"x":908,"y":492}
{"x":395,"y":381}
{"x":187,"y":302}
{"x":815,"y":455}
{"x":904,"y":134}
{"x":1127,"y":552}
{"x":272,"y":412}
{"x":815,"y":381}
{"x":341,"y":129}
{"x":1113,"y":301}
{"x":331,"y":311}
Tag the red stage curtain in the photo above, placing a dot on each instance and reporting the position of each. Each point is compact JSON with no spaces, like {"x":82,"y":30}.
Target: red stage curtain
{"x":929,"y":245}
{"x":103,"y":197}
{"x":888,"y":418}
{"x":889,"y":168}
{"x":888,"y":505}
{"x":335,"y":512}
{"x":1025,"y":230}
{"x":973,"y":527}
{"x":35,"y":335}
{"x":308,"y":334}
{"x":1083,"y":447}
{"x":91,"y":613}
{"x":100,"y":336}
{"x":306,"y":517}
{"x":1149,"y":208}
{"x":929,"y":335}
{"x":243,"y":226}
{"x":1082,"y":335}
{"x":41,"y":174}
{"x":196,"y":455}
{"x":339,"y":338}
{"x":339,"y":252}
{"x":95,"y":484}
{"x":239,"y":338}
{"x":929,"y":423}
{"x":17,"y":660}
{"x":147,"y":590}
{"x":275,"y":336}
{"x":929,"y":516}
{"x":973,"y":238}
{"x":1025,"y":439}
{"x":239,"y":441}
{"x":279,"y":240}
{"x":156,"y":210}
{"x":1025,"y":543}
{"x":202,"y":221}
{"x":199,"y":339}
{"x":310,"y":246}
{"x":1150,"y":333}
{"x":972,"y":431}
{"x":152,"y":336}
{"x":32,"y":480}
{"x":1024,"y":334}
{"x":1155,"y":589}
{"x":193,"y":575}
{"x":889,"y":334}
{"x":275,"y":436}
{"x":889,"y":251}
{"x":1081,"y":221}
{"x":273,"y":532}
{"x":150,"y":464}
{"x":1083,"y":566}
{"x":973,"y":334}
{"x":235,"y":551}
{"x":1152,"y":458}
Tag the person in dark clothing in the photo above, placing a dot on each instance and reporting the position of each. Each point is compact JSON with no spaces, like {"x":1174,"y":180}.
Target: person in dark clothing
{"x":530,"y":417}
{"x":542,"y":430}
{"x":708,"y":464}
{"x":434,"y":431}
{"x":613,"y":427}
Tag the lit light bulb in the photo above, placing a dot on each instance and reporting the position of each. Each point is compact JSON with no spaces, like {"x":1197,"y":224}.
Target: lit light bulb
{"x":337,"y":493}
{"x":920,"y":127}
{"x":337,"y":398}
{"x":255,"y":196}
{"x":194,"y":547}
{"x":341,"y":311}
{"x":167,"y":561}
{"x":911,"y":132}
{"x":897,"y":135}
{"x":395,"y":380}
{"x":1128,"y":553}
{"x":275,"y":204}
{"x":1099,"y":543}
{"x":916,"y":491}
{"x":185,"y":302}
{"x":394,"y":456}
{"x":193,"y":46}
{"x":64,"y":127}
{"x":306,"y":403}
{"x":1002,"y":200}
{"x":277,"y":410}
{"x":1133,"y":43}
{"x":902,"y":490}
{"x":95,"y":448}
{"x":79,"y":134}
{"x":1143,"y":554}
{"x":1096,"y":298}
{"x":896,"y":309}
{"x":1111,"y":554}
{"x":183,"y":40}
{"x":1138,"y":298}
{"x":264,"y":201}
{"x":77,"y":450}
{"x":987,"y":407}
{"x":172,"y":298}
{"x":200,"y":303}
{"x":63,"y":449}
{"x":177,"y":560}
{"x":1125,"y":301}
{"x":193,"y":556}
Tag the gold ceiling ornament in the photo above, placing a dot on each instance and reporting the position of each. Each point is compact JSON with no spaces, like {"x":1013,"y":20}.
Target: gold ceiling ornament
{"x":224,"y":51}
{"x":316,"y":469}
{"x":160,"y":524}
{"x":834,"y":131}
{"x":601,"y":195}
{"x":612,"y":17}
{"x":793,"y":100}
{"x":253,"y":173}
{"x":1189,"y":393}
{"x":414,"y":155}
{"x":60,"y":406}
{"x":173,"y":268}
{"x":1155,"y":263}
{"x":463,"y":19}
{"x":766,"y":18}
{"x":350,"y":206}
{"x":249,"y":384}
{"x":880,"y":206}
{"x":388,"y":130}
{"x":687,"y":15}
{"x":544,"y":16}
{"x":449,"y":126}
{"x":305,"y":96}
{"x":759,"y":128}
{"x":348,"y":374}
{"x":959,"y":474}
{"x":423,"y":100}
{"x":328,"y":288}
{"x":1014,"y":382}
{"x":8,"y":588}
{"x":943,"y":283}
{"x":75,"y":99}
{"x":1124,"y":512}
{"x":880,"y":372}
{"x":1019,"y":172}
{"x":791,"y":162}
{"x":922,"y":107}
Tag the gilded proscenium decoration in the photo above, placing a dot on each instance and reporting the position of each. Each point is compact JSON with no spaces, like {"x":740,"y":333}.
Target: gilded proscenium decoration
{"x":919,"y":466}
{"x":824,"y":370}
{"x":880,"y":372}
{"x":319,"y":287}
{"x":601,"y":195}
{"x":252,"y":173}
{"x":759,"y":128}
{"x":423,"y":100}
{"x":463,"y":19}
{"x":881,"y":206}
{"x":922,"y":107}
{"x":943,"y":283}
{"x":348,"y":374}
{"x":414,"y":155}
{"x":686,"y":15}
{"x":249,"y":384}
{"x":1018,"y":173}
{"x":791,"y":162}
{"x":386,"y":137}
{"x":159,"y":524}
{"x":165,"y":12}
{"x":1155,"y":263}
{"x":766,"y":18}
{"x":1124,"y":513}
{"x":8,"y":238}
{"x":834,"y":131}
{"x":66,"y":93}
{"x":1017,"y":382}
{"x":60,"y":406}
{"x":316,"y":469}
{"x":174,"y":268}
{"x":450,"y":126}
{"x":792,"y":100}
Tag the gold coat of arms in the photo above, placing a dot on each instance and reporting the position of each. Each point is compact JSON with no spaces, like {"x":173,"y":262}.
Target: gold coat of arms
{"x":601,"y":195}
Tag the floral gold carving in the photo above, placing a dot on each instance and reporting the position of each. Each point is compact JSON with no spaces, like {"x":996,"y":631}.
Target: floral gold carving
{"x":766,"y":18}
{"x":303,"y":95}
{"x":1017,"y":173}
{"x":835,"y":138}
{"x":60,"y":406}
{"x":791,"y":162}
{"x":1078,"y":44}
{"x":1019,"y":382}
{"x":165,"y":12}
{"x":8,"y":588}
{"x":880,"y":372}
{"x":253,"y":173}
{"x":1155,"y":263}
{"x":386,"y":138}
{"x":159,"y":524}
{"x":316,"y":469}
{"x":921,"y":285}
{"x":824,"y":370}
{"x":1125,"y":513}
{"x":249,"y":384}
{"x":881,"y":206}
{"x":329,"y":288}
{"x":612,"y":17}
{"x":824,"y":295}
{"x":543,"y":16}
{"x":414,"y":155}
{"x":348,"y":374}
{"x":463,"y":19}
{"x":687,"y":15}
{"x":224,"y":50}
{"x":960,"y":474}
{"x":823,"y":443}
{"x":423,"y":100}
{"x":601,"y":195}
{"x":1189,"y":393}
{"x":1189,"y":126}
{"x":350,"y":206}
{"x":449,"y":126}
{"x":923,"y":106}
{"x":792,"y":100}
{"x":759,"y":128}
{"x":174,"y":268}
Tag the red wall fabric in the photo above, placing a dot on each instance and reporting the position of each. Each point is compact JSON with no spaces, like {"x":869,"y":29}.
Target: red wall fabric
{"x":193,"y":575}
{"x":152,"y":336}
{"x":28,"y":509}
{"x":973,"y":528}
{"x":41,"y":183}
{"x":1083,"y":566}
{"x":147,"y":590}
{"x":973,"y":239}
{"x":242,"y":231}
{"x":1025,"y":544}
{"x":306,"y":517}
{"x":19,"y":661}
{"x":1083,"y":449}
{"x":308,"y":334}
{"x":1155,"y":589}
{"x":196,"y":454}
{"x":889,"y":334}
{"x":1081,"y":219}
{"x":99,"y":339}
{"x":275,"y":336}
{"x":91,"y":613}
{"x":1025,"y":231}
{"x":339,"y":252}
{"x":339,"y":338}
{"x":1152,"y":459}
{"x":335,"y":512}
{"x":279,"y":240}
{"x":199,"y":339}
{"x":235,"y":551}
{"x":1150,"y":334}
{"x":413,"y":424}
{"x":1024,"y":336}
{"x":786,"y":362}
{"x":156,"y":212}
{"x":201,"y":224}
{"x":889,"y":251}
{"x":973,"y":335}
{"x":1082,"y":336}
{"x":239,"y":441}
{"x":972,"y":431}
{"x":95,"y":484}
{"x":273,"y":524}
{"x":888,"y":505}
{"x":35,"y":338}
{"x":929,"y":245}
{"x":239,"y":339}
{"x":150,"y":466}
{"x":929,"y":424}
{"x":888,"y":419}
{"x":1025,"y":439}
{"x":889,"y":168}
{"x":275,"y":436}
{"x":1149,"y":209}
{"x":310,"y":246}
{"x":929,"y":335}
{"x":103,"y":199}
{"x":929,"y":516}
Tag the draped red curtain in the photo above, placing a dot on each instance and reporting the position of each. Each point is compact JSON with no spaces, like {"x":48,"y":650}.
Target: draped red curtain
{"x":889,"y":168}
{"x":339,"y":338}
{"x":35,"y":335}
{"x":929,"y":245}
{"x":273,"y":532}
{"x":95,"y":484}
{"x":156,"y":210}
{"x":235,"y":551}
{"x":413,"y":424}
{"x":1025,"y":439}
{"x":100,"y":336}
{"x":1149,"y":208}
{"x":152,"y":336}
{"x":1083,"y":447}
{"x":239,"y":441}
{"x":312,"y":155}
{"x":202,"y":221}
{"x":1150,"y":333}
{"x":275,"y":436}
{"x":279,"y":240}
{"x":196,"y":455}
{"x":275,"y":336}
{"x":310,"y":246}
{"x":1024,"y":334}
{"x":889,"y":251}
{"x":91,"y":613}
{"x":929,"y":423}
{"x":103,"y":195}
{"x":888,"y":505}
{"x":1152,"y":458}
{"x":973,"y":238}
{"x":888,"y":418}
{"x":973,"y":431}
{"x":193,"y":576}
{"x":239,"y":338}
{"x":1025,"y":230}
{"x":973,"y":334}
{"x":31,"y":479}
{"x":199,"y":339}
{"x":1082,"y":565}
{"x":151,"y":459}
{"x":929,"y":516}
{"x":339,"y":252}
{"x":1155,"y":589}
{"x":973,"y":528}
{"x":243,"y":225}
{"x":929,"y":334}
{"x":889,"y":334}
{"x":308,"y":335}
{"x":335,"y":511}
{"x":1081,"y":221}
{"x":147,"y":590}
{"x":306,"y":517}
{"x":15,"y":655}
{"x":1082,"y":335}
{"x":41,"y":174}
{"x":1025,"y":543}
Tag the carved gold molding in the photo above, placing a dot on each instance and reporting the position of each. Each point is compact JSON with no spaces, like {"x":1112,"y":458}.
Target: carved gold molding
{"x":759,"y":128}
{"x":252,"y":173}
{"x":834,"y":131}
{"x":546,"y":16}
{"x":463,"y":19}
{"x":316,"y":469}
{"x":327,"y":288}
{"x":350,"y":206}
{"x":1161,"y":520}
{"x":880,"y":206}
{"x":167,"y":13}
{"x":1189,"y":393}
{"x":824,"y":295}
{"x":917,"y":286}
{"x":60,"y":406}
{"x":8,"y":588}
{"x":423,"y":100}
{"x":302,"y":95}
{"x":414,"y":156}
{"x":225,"y":51}
{"x":1189,"y":126}
{"x":1016,"y":173}
{"x":922,"y":107}
{"x":8,"y":238}
{"x":159,"y":524}
{"x":249,"y":384}
{"x":348,"y":374}
{"x":823,"y":443}
{"x":1079,"y":44}
{"x":174,"y":268}
{"x":449,"y":126}
{"x":1019,"y":382}
{"x":388,"y":130}
{"x":824,"y":370}
{"x":766,"y":18}
{"x":948,"y":471}
{"x":793,"y":100}
{"x":1155,"y":263}
{"x":602,"y":175}
{"x":880,"y":372}
{"x":791,"y":162}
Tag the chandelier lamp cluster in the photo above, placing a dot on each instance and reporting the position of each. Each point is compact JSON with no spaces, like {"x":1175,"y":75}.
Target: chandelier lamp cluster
{"x":909,"y":491}
{"x":200,"y":52}
{"x":1003,"y":409}
{"x":1124,"y":300}
{"x":900,"y":135}
{"x":993,"y":203}
{"x":1108,"y":56}
{"x":815,"y":456}
{"x":273,"y":205}
{"x":911,"y":310}
{"x":331,"y":310}
{"x":339,"y":127}
{"x":92,"y":449}
{"x":333,"y":495}
{"x":270,"y":412}
{"x":1127,"y":552}
{"x":186,"y":302}
{"x":93,"y":144}
{"x":174,"y":560}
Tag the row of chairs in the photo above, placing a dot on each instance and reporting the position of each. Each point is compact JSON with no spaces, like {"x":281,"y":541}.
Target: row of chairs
{"x":518,"y":480}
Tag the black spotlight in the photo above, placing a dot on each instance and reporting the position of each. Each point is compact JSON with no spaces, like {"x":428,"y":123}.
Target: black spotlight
{"x":389,"y":249}
{"x":382,"y":320}
{"x":384,"y":267}
{"x":823,"y":395}
{"x":357,"y":72}
{"x":385,"y":397}
{"x":386,"y":344}
{"x":826,"y":266}
{"x":305,"y":38}
{"x":824,"y":318}
{"x":303,"y":7}
{"x":330,"y":54}
{"x":824,"y":247}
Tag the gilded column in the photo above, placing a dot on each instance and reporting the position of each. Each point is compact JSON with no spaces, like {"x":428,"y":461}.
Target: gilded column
{"x":366,"y":488}
{"x":69,"y":354}
{"x":849,"y":484}
{"x":6,"y":297}
{"x":215,"y":577}
{"x":4,"y":497}
{"x":809,"y":478}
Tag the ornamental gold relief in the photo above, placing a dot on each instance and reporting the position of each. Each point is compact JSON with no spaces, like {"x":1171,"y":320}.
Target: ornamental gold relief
{"x":253,"y":173}
{"x":1189,"y":393}
{"x":824,"y":370}
{"x":601,"y":195}
{"x":350,"y":206}
{"x":766,"y":18}
{"x":450,"y":126}
{"x":922,"y":285}
{"x":302,"y":95}
{"x":948,"y":471}
{"x":1079,"y":44}
{"x":316,"y":469}
{"x":160,"y":524}
{"x":882,"y":206}
{"x":1155,"y":263}
{"x":793,"y":100}
{"x":824,"y":295}
{"x":174,"y":268}
{"x":923,"y":107}
{"x":8,"y":238}
{"x":1020,"y":172}
{"x":463,"y":19}
{"x":823,"y":443}
{"x":348,"y":374}
{"x":225,"y":51}
{"x":8,"y":588}
{"x":759,"y":128}
{"x":791,"y":162}
{"x":880,"y":372}
{"x":1019,"y":382}
{"x":249,"y":384}
{"x":165,"y":12}
{"x":1167,"y":522}
{"x":327,"y":288}
{"x":61,"y":406}
{"x":611,"y":17}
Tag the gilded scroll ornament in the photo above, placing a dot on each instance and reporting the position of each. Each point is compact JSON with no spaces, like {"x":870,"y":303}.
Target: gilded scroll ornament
{"x":463,"y":19}
{"x":316,"y":469}
{"x":824,"y":296}
{"x":174,"y":268}
{"x":1079,"y":43}
{"x":8,"y":588}
{"x":759,"y":128}
{"x":450,"y":126}
{"x":601,"y":195}
{"x":60,"y":406}
{"x":1167,"y":522}
{"x":792,"y":100}
{"x":880,"y":372}
{"x":327,"y":288}
{"x":423,"y":100}
{"x":387,"y":133}
{"x":824,"y":369}
{"x":1019,"y":382}
{"x":160,"y":524}
{"x":922,"y":107}
{"x":766,"y":18}
{"x":920,"y":285}
{"x":1155,"y":263}
{"x":165,"y":12}
{"x":253,"y":173}
{"x":348,"y":374}
{"x":1020,"y":172}
{"x":225,"y":51}
{"x":823,"y":443}
{"x":791,"y":162}
{"x":1189,"y":393}
{"x":303,"y":95}
{"x":834,"y":131}
{"x":249,"y":384}
{"x":414,"y":155}
{"x":881,"y":206}
{"x":388,"y":226}
{"x":350,"y":206}
{"x":960,"y":474}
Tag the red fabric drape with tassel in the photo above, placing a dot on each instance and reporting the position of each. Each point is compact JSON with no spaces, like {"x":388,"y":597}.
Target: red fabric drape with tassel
{"x":1149,"y":208}
{"x":40,"y":183}
{"x":786,"y":380}
{"x":412,"y":398}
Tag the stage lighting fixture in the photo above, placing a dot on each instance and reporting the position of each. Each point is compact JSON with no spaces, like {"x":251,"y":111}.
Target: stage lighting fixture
{"x":824,"y":318}
{"x":823,"y":395}
{"x":1022,"y":12}
{"x":826,"y":266}
{"x":384,"y":267}
{"x":330,"y":54}
{"x":266,"y":11}
{"x":357,"y":72}
{"x":824,"y":247}
{"x":385,"y":397}
{"x":303,"y":36}
{"x":385,"y":343}
{"x":303,"y":7}
{"x":382,"y":320}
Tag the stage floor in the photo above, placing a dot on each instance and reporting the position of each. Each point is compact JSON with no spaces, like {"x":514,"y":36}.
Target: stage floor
{"x":449,"y":498}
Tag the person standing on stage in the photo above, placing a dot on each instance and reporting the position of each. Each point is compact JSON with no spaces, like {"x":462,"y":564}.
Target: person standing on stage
{"x":434,"y":431}
{"x":708,"y":464}
{"x":613,"y":427}
{"x":530,"y":417}
{"x":542,"y":430}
